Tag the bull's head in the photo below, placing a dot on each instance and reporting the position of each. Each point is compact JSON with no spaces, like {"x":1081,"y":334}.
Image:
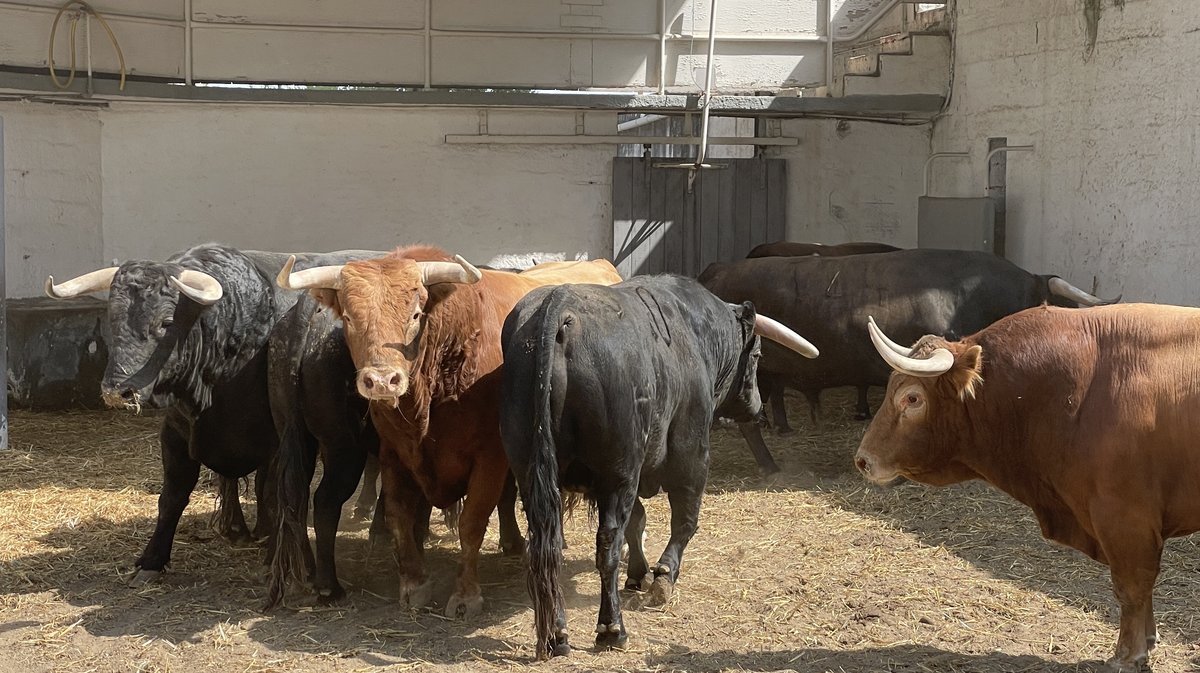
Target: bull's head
{"x":382,"y":305}
{"x":926,"y":400}
{"x":743,"y":402}
{"x":151,"y":308}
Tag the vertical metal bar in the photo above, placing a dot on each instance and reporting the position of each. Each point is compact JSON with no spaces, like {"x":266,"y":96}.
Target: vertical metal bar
{"x":997,"y":191}
{"x":187,"y":42}
{"x":662,"y":47}
{"x":3,"y":305}
{"x":87,"y":43}
{"x":708,"y":84}
{"x":828,"y":47}
{"x":428,"y":45}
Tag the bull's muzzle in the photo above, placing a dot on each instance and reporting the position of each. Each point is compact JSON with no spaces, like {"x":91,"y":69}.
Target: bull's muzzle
{"x":382,"y":383}
{"x":118,"y":397}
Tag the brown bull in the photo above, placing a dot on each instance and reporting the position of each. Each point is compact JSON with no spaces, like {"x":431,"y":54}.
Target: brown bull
{"x":1089,"y":417}
{"x":424,"y":333}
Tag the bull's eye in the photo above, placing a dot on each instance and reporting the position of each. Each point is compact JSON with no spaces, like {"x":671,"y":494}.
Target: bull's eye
{"x":912,"y":400}
{"x":416,"y":315}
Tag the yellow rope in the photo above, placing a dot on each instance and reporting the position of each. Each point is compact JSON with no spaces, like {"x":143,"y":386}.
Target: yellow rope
{"x":74,"y":22}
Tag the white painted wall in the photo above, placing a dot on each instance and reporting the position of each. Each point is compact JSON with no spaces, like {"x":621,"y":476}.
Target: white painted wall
{"x":140,"y":180}
{"x":854,"y":181}
{"x":320,"y":178}
{"x":52,"y":193}
{"x":1111,"y":190}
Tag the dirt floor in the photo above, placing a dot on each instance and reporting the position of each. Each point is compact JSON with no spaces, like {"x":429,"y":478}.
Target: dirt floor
{"x":815,"y":572}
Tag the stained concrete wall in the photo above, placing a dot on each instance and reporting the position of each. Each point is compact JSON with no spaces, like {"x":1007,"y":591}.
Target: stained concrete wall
{"x":854,"y":181}
{"x":1111,"y":190}
{"x":53,"y":217}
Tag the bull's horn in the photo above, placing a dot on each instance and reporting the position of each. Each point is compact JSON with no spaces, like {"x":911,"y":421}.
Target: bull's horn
{"x":95,"y":281}
{"x":458,"y":271}
{"x":891,"y":344}
{"x":1066,"y":290}
{"x":318,"y":277}
{"x":198,"y":286}
{"x":938,"y":363}
{"x":784,"y":336}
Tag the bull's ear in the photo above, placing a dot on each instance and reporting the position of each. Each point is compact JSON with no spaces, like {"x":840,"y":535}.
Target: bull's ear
{"x":744,"y":311}
{"x":967,"y":373}
{"x":328,"y":299}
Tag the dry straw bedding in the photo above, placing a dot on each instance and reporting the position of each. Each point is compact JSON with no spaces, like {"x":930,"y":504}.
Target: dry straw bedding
{"x":815,"y":572}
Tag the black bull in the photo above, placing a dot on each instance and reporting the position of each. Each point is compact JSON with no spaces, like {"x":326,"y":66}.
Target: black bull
{"x":910,"y":292}
{"x":611,"y":392}
{"x":191,"y":335}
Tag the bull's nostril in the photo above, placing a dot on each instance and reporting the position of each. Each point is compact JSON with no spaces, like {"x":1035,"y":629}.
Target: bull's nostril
{"x":395,"y":380}
{"x":861,"y":464}
{"x":368,"y":383}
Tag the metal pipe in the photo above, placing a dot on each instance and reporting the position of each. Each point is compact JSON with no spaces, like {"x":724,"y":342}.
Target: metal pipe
{"x":428,"y":44}
{"x":662,"y":47}
{"x":87,"y":45}
{"x":929,"y":166}
{"x":708,"y":84}
{"x":3,"y":304}
{"x":486,"y":139}
{"x":187,"y":42}
{"x":640,"y":121}
{"x":828,"y":47}
{"x":1007,"y":148}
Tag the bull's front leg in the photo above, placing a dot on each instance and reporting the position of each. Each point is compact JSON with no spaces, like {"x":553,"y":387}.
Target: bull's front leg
{"x":369,"y":496}
{"x":231,"y":522}
{"x":483,"y":494}
{"x":406,"y":514}
{"x":1133,"y":549}
{"x":512,"y":543}
{"x":180,"y":474}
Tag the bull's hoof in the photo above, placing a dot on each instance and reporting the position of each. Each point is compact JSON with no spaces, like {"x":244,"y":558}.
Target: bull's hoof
{"x":331,"y":595}
{"x":634,"y":583}
{"x":415,"y":596}
{"x":860,"y":416}
{"x":470,"y":606}
{"x":1137,"y":664}
{"x":141,"y":577}
{"x":560,"y":648}
{"x":512,"y":547}
{"x":660,"y":591}
{"x":238,"y":537}
{"x":785,"y":431}
{"x":1152,"y":640}
{"x":611,"y":637}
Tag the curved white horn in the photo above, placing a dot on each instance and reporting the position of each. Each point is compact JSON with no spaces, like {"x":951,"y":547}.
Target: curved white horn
{"x":198,"y":286}
{"x":784,"y":336}
{"x":458,"y":271}
{"x":1066,"y":290}
{"x":318,"y":277}
{"x":938,"y":363}
{"x":95,"y":281}
{"x":891,"y":344}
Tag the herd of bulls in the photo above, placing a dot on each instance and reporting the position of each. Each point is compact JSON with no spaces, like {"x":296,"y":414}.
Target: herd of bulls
{"x":464,"y":387}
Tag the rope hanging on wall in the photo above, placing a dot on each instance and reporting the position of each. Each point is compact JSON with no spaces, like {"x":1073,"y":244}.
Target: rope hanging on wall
{"x":74,"y":22}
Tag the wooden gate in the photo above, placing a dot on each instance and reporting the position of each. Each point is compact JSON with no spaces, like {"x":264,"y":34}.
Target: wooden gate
{"x":659,"y":227}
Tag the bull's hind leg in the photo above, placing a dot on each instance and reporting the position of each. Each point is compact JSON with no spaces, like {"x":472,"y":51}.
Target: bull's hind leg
{"x":180,"y":474}
{"x":343,"y":466}
{"x":635,"y":530}
{"x":369,"y":496}
{"x":231,"y":522}
{"x":483,"y":493}
{"x":862,"y":410}
{"x":613,"y":511}
{"x":684,"y":493}
{"x":512,"y":543}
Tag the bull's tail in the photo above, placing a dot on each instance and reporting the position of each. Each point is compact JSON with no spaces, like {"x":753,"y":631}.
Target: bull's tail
{"x":288,"y":558}
{"x":542,"y":498}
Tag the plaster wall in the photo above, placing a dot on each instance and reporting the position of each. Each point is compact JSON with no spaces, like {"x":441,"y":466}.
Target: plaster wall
{"x":52,"y":193}
{"x":1110,"y":192}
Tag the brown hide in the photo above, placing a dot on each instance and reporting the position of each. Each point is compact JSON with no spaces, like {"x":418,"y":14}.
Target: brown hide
{"x":1088,"y":416}
{"x":440,"y":439}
